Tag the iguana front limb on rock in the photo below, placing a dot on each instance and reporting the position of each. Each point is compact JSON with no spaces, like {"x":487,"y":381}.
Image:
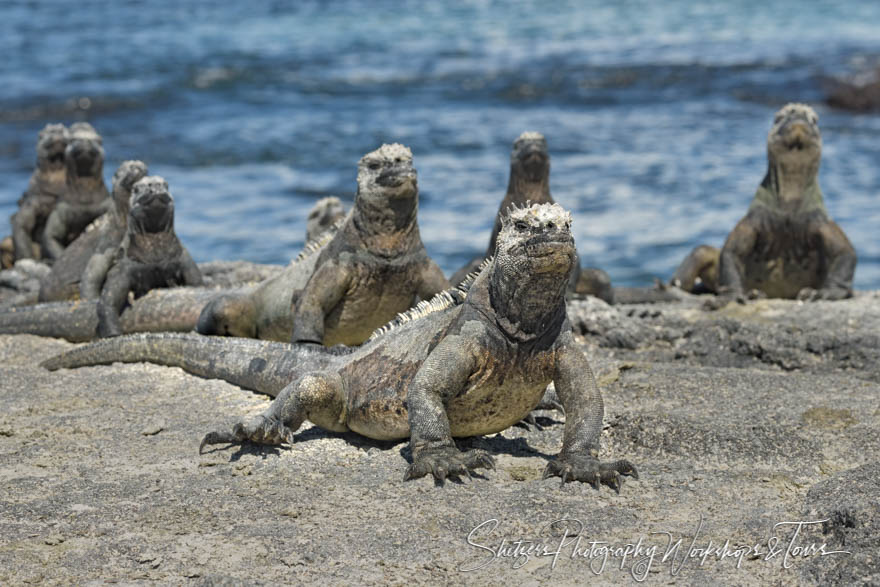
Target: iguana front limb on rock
{"x":150,"y":256}
{"x":47,"y":185}
{"x":92,"y":252}
{"x":461,"y":365}
{"x":372,"y":268}
{"x":85,"y":196}
{"x":786,"y":246}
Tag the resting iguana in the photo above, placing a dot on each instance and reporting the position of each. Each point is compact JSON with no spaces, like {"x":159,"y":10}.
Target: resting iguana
{"x":149,"y":257}
{"x":323,"y":216}
{"x":85,"y":196}
{"x":460,"y":365}
{"x":46,"y":187}
{"x":786,"y":246}
{"x":372,"y":268}
{"x":94,"y":248}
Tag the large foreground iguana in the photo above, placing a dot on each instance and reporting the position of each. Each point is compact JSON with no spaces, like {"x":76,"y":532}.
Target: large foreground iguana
{"x":460,"y":365}
{"x":372,"y":268}
{"x":786,"y":246}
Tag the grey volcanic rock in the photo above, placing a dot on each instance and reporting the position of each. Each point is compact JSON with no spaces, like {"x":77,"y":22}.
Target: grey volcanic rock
{"x":738,"y":420}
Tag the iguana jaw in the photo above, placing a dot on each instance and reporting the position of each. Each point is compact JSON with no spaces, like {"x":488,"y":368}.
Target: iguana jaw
{"x":794,"y":150}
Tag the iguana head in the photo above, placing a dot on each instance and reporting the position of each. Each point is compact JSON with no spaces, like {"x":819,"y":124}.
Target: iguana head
{"x":127,"y":174}
{"x":151,"y":206}
{"x":387,"y":199}
{"x":794,"y":149}
{"x":530,"y":159}
{"x":51,"y":143}
{"x":85,"y":152}
{"x":794,"y":141}
{"x":322,"y":216}
{"x":534,"y":257}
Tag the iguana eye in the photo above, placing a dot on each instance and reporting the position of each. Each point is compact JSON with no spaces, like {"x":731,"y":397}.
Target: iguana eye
{"x":374,"y":165}
{"x":520,"y":225}
{"x":551,"y":225}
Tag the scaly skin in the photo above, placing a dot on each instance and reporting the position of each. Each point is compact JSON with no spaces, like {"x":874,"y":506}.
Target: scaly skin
{"x":85,"y":196}
{"x":474,"y":364}
{"x":150,"y":256}
{"x":786,"y":246}
{"x":93,"y":250}
{"x":47,"y":185}
{"x":372,"y":269}
{"x":161,"y":310}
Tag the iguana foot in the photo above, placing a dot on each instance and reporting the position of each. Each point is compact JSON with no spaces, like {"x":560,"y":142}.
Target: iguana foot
{"x":721,"y":300}
{"x":259,"y":430}
{"x":448,"y":461}
{"x":808,"y":294}
{"x":590,"y":470}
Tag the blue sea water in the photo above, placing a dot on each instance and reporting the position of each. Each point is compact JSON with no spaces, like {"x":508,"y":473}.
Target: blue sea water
{"x":656,"y":113}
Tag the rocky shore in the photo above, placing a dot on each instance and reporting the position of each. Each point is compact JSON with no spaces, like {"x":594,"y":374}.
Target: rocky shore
{"x":743,"y":422}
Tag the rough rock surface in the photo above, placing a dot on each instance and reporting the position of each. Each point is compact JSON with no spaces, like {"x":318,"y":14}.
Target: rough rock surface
{"x":744,"y":418}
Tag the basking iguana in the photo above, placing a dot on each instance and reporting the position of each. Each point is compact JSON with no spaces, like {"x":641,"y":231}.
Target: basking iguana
{"x":786,"y":246}
{"x":372,"y":268}
{"x":93,"y":250}
{"x":459,"y":365}
{"x":46,"y":187}
{"x":150,"y":256}
{"x":85,"y":196}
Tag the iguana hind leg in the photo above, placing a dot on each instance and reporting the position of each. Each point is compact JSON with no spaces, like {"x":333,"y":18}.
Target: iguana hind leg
{"x":317,"y":397}
{"x":698,"y":273}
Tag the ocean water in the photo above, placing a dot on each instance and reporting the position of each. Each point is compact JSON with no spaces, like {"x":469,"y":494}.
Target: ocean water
{"x":656,"y":113}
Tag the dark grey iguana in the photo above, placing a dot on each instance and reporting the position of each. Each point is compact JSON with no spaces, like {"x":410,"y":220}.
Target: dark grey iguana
{"x":786,"y":246}
{"x":371,"y":269}
{"x":85,"y":196}
{"x":459,"y":365}
{"x":149,"y":257}
{"x":93,"y":250}
{"x":46,"y":186}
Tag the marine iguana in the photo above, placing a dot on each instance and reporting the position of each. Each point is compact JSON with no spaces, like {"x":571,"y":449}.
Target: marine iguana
{"x":46,"y":186}
{"x":85,"y":197}
{"x":150,"y":256}
{"x":463,"y":364}
{"x":93,"y":250}
{"x":323,"y":216}
{"x":371,"y":269}
{"x":786,"y":246}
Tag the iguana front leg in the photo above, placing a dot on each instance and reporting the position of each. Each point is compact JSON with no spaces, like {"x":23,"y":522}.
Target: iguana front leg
{"x":584,"y":410}
{"x":113,"y":298}
{"x":841,"y":259}
{"x":326,"y":287}
{"x":442,"y":376}
{"x":92,"y":280}
{"x":740,"y":243}
{"x":191,"y":274}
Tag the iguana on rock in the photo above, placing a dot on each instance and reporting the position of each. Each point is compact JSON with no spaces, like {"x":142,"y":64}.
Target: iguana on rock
{"x":85,"y":196}
{"x":150,"y":256}
{"x":46,"y":186}
{"x":371,"y":269}
{"x":460,"y":365}
{"x":93,"y":250}
{"x":786,"y":246}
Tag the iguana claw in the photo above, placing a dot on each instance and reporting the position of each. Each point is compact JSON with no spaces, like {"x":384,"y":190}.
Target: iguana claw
{"x":590,"y":470}
{"x":448,"y":462}
{"x":259,"y":430}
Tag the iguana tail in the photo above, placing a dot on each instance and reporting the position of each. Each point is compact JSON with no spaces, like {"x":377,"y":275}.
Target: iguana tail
{"x":258,"y":365}
{"x":161,"y":310}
